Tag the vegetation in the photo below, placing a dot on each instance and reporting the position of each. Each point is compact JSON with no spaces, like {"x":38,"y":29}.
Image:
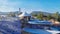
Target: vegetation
{"x":11,"y":14}
{"x":40,"y":16}
{"x":59,"y":18}
{"x":48,"y":17}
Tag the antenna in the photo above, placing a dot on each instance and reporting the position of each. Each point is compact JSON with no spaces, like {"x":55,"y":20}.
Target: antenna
{"x":19,"y":9}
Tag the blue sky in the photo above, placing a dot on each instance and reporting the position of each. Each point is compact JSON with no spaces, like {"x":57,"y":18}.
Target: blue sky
{"x":30,"y":5}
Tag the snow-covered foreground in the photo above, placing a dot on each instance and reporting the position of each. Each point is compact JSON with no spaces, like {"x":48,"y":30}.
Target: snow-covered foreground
{"x":10,"y":27}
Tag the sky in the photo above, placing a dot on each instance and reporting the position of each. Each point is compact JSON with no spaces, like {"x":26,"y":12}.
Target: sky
{"x":30,"y":5}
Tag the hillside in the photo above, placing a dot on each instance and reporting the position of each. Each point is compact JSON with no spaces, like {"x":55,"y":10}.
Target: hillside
{"x":44,"y":13}
{"x":5,"y":13}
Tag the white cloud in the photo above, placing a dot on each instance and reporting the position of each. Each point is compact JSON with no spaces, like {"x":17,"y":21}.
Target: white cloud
{"x":30,"y":10}
{"x":26,"y":10}
{"x":6,"y":6}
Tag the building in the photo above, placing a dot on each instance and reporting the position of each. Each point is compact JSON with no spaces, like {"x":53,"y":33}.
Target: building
{"x":24,"y":15}
{"x":54,"y":21}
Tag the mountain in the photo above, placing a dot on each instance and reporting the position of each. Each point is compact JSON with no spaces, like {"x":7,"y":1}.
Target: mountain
{"x":44,"y":13}
{"x":5,"y":13}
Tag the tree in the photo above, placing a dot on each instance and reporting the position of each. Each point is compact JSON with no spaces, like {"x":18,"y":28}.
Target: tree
{"x":40,"y":16}
{"x":11,"y":14}
{"x":34,"y":15}
{"x":49,"y":17}
{"x":55,"y":15}
{"x":59,"y":18}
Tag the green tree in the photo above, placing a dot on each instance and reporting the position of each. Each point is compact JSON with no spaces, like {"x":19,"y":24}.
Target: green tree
{"x":34,"y":15}
{"x":40,"y":16}
{"x":55,"y":15}
{"x":49,"y":17}
{"x":59,"y":18}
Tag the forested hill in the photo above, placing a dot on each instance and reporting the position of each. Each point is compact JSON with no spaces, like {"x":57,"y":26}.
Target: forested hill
{"x":39,"y":12}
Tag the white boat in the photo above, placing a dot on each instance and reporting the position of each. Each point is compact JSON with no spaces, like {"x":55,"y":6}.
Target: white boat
{"x":53,"y":31}
{"x":41,"y":31}
{"x":36,"y":26}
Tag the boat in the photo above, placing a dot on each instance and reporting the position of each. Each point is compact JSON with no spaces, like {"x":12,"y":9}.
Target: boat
{"x":35,"y":26}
